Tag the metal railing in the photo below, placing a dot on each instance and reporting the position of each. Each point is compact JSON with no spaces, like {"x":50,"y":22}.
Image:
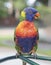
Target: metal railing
{"x":26,"y":58}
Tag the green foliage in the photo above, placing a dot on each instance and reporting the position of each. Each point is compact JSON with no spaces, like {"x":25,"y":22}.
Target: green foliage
{"x":17,"y":4}
{"x":44,"y":1}
{"x":20,"y":4}
{"x":44,"y":52}
{"x":3,"y":13}
{"x":44,"y":11}
{"x":45,"y":15}
{"x":3,"y":10}
{"x":6,"y":0}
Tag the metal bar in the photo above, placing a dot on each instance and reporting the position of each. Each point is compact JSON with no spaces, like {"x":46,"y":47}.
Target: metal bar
{"x":39,"y":57}
{"x":28,"y":60}
{"x":21,"y":57}
{"x":25,"y":58}
{"x":7,"y":58}
{"x":43,"y":58}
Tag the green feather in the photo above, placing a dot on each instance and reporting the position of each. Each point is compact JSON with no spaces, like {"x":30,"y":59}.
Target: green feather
{"x":35,"y":47}
{"x":17,"y":48}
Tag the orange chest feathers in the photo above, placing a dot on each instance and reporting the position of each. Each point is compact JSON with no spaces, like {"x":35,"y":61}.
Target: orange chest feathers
{"x":26,"y":29}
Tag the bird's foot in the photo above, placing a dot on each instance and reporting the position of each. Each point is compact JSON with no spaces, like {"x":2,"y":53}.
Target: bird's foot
{"x":35,"y":55}
{"x":17,"y":55}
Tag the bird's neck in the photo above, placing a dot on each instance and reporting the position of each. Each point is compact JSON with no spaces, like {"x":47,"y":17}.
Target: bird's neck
{"x":29,"y":18}
{"x":28,"y":21}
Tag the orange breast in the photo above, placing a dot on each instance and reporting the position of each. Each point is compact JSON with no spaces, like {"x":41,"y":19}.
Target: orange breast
{"x":26,"y":29}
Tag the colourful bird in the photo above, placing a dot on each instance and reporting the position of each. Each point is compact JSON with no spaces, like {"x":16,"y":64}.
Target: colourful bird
{"x":26,"y":34}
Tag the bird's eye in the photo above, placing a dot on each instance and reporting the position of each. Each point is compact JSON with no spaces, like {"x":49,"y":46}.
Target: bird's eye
{"x":35,"y":12}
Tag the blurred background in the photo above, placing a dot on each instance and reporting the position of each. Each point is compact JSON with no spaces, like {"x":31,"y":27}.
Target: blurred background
{"x":10,"y":17}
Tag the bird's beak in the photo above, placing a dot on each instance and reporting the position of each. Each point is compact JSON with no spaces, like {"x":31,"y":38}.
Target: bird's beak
{"x":37,"y":15}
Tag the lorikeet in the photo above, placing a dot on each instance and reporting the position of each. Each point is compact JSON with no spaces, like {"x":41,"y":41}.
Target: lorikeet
{"x":26,"y":34}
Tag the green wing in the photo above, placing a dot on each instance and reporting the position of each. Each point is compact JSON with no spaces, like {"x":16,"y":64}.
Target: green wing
{"x":17,"y":48}
{"x":36,"y":46}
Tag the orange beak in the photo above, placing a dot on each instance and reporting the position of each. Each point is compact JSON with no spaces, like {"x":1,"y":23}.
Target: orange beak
{"x":37,"y":15}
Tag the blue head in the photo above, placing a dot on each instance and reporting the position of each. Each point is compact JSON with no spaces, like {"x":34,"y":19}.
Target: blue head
{"x":30,"y":13}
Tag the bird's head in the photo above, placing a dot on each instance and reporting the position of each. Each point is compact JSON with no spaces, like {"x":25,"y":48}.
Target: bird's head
{"x":30,"y":14}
